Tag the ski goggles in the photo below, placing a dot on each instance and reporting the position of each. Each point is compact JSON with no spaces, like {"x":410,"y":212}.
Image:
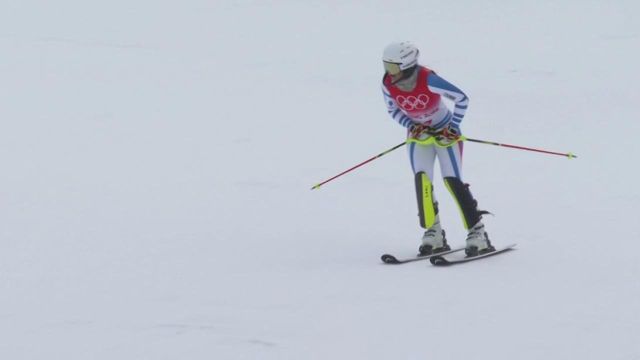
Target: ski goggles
{"x":392,"y":68}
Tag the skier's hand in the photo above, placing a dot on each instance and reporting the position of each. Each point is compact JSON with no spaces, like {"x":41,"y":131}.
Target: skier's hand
{"x":451,"y":132}
{"x":419,"y":131}
{"x":449,"y":135}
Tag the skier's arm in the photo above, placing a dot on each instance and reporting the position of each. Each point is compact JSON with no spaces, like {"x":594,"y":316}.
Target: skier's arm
{"x":397,"y":115}
{"x":441,"y":86}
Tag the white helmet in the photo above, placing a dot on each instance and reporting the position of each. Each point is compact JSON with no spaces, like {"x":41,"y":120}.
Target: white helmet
{"x":399,"y":56}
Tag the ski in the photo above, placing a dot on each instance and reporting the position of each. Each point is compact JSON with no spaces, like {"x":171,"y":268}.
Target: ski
{"x":440,"y":260}
{"x":390,"y":259}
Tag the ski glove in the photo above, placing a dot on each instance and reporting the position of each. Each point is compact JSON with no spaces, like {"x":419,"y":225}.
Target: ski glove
{"x":451,"y":132}
{"x":420,"y":131}
{"x":449,"y":135}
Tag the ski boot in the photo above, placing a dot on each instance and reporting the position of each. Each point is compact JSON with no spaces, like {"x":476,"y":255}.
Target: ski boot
{"x":478,"y":241}
{"x":434,"y":240}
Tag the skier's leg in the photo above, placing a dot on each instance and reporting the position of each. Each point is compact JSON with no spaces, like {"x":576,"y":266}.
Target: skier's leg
{"x":422,"y":162}
{"x":467,"y":205}
{"x":450,"y":159}
{"x":427,"y":206}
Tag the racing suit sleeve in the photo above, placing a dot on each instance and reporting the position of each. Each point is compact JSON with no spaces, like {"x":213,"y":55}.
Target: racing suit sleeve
{"x":441,"y":86}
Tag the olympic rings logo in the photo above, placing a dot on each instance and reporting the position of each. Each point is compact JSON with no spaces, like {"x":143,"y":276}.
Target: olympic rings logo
{"x":413,"y":103}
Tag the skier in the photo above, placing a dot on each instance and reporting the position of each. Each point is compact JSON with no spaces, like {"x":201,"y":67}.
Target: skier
{"x":413,"y":95}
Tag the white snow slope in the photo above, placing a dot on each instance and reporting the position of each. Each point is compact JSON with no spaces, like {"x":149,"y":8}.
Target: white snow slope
{"x":157,"y":159}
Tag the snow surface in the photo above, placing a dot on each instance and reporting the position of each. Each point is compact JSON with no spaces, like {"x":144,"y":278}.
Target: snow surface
{"x":157,"y":158}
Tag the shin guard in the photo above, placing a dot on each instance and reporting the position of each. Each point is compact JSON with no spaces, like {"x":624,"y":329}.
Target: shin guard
{"x":427,"y":207}
{"x":467,"y":205}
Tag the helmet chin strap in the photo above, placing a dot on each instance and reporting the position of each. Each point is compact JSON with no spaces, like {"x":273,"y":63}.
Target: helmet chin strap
{"x":405,"y":74}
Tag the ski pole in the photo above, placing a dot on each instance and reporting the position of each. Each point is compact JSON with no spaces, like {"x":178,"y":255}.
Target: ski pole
{"x":357,"y":166}
{"x":462,"y":138}
{"x":568,"y":155}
